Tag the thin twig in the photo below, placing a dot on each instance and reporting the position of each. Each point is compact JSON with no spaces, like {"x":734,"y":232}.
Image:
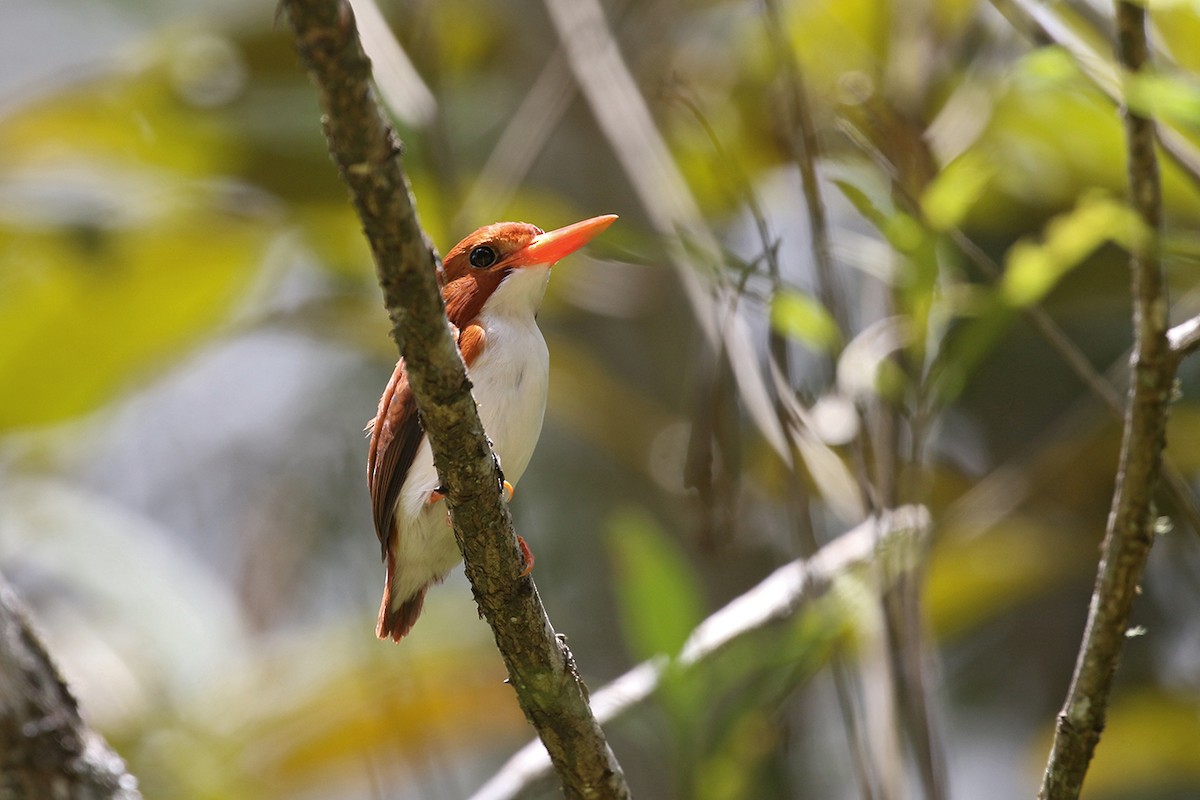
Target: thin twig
{"x":624,"y":118}
{"x":1184,"y":338}
{"x":802,"y":141}
{"x":1175,"y":484}
{"x":803,"y":144}
{"x":1131,"y":522}
{"x":367,"y":153}
{"x":907,"y":648}
{"x":524,"y":139}
{"x":781,"y":595}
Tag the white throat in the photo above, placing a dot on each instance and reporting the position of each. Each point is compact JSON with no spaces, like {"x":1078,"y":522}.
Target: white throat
{"x":519,"y":294}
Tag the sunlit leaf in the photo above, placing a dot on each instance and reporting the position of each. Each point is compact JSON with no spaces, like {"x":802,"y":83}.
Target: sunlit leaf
{"x":904,"y":233}
{"x":802,"y":317}
{"x":1173,"y":97}
{"x":854,"y":37}
{"x":869,"y":201}
{"x":956,"y":189}
{"x":659,"y":594}
{"x":1032,"y":269}
{"x":1177,"y":22}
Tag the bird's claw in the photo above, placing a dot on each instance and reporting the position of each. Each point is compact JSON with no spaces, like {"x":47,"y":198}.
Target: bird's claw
{"x":509,"y":491}
{"x":527,"y":554}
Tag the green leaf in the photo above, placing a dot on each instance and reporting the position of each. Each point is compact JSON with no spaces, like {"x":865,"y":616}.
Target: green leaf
{"x":800,"y":316}
{"x":658,"y":593}
{"x":863,"y":201}
{"x":956,"y":188}
{"x":1032,"y":268}
{"x":1172,"y":97}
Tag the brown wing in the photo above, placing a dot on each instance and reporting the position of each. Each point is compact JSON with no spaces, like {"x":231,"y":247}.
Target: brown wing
{"x":396,"y":435}
{"x":395,"y":438}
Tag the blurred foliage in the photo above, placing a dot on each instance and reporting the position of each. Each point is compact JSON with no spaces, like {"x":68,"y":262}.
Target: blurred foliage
{"x":660,"y":600}
{"x":191,"y":341}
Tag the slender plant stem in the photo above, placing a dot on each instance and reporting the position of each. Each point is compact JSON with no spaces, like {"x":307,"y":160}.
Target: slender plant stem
{"x":1131,"y":521}
{"x":367,"y":153}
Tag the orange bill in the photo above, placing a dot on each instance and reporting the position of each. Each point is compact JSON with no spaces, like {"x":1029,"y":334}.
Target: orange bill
{"x":549,"y":247}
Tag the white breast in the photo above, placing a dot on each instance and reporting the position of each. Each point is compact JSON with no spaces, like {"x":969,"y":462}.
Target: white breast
{"x":509,"y":381}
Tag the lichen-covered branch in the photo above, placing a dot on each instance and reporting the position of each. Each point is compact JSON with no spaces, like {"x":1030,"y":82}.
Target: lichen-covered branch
{"x":1131,"y":521}
{"x":368,"y":156}
{"x":46,"y":749}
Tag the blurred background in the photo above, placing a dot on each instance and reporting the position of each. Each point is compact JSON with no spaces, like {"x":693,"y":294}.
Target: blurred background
{"x":846,"y":227}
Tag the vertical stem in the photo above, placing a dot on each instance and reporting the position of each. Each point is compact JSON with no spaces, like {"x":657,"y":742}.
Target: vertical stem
{"x":1131,"y":521}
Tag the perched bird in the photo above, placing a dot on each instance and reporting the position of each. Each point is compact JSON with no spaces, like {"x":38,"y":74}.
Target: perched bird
{"x":492,"y":285}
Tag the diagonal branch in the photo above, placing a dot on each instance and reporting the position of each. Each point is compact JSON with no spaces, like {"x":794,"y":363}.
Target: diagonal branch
{"x":779,"y":596}
{"x":1131,"y":521}
{"x":367,"y":154}
{"x":1184,"y":338}
{"x":46,"y":748}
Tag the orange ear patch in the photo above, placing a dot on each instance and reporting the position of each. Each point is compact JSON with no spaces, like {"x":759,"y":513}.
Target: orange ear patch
{"x":471,"y":342}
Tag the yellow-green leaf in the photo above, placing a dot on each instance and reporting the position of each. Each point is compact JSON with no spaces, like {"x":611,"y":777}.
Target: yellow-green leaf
{"x":1032,"y":268}
{"x":954,"y":191}
{"x":801,"y":317}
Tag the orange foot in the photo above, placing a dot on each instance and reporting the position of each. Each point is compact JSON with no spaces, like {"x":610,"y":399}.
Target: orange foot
{"x":528,"y":556}
{"x":434,"y":497}
{"x":509,"y":490}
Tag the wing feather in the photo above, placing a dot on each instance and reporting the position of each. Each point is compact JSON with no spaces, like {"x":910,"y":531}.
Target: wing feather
{"x":396,"y":436}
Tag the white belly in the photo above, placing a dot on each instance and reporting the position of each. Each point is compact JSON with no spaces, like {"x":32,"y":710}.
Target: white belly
{"x":509,"y":381}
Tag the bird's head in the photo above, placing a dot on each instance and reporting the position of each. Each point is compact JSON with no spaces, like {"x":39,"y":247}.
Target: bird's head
{"x":505,"y":266}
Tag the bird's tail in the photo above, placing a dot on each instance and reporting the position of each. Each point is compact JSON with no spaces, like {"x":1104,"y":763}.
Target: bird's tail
{"x":396,"y":619}
{"x":395,"y":622}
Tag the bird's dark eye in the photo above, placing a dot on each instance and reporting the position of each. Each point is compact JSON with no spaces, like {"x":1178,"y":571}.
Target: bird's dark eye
{"x":482,"y":256}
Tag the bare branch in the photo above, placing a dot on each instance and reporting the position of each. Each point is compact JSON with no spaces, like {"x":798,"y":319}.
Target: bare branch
{"x":1184,"y":338}
{"x":1131,"y":522}
{"x":367,"y":154}
{"x":781,"y":595}
{"x":46,"y":749}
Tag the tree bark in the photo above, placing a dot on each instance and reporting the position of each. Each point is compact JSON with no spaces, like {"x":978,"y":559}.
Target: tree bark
{"x":46,"y":749}
{"x":1131,"y":522}
{"x":368,"y":155}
